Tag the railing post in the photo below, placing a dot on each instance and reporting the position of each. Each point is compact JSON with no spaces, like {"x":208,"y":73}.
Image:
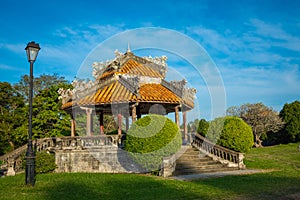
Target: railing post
{"x":11,"y":167}
{"x":241,"y":164}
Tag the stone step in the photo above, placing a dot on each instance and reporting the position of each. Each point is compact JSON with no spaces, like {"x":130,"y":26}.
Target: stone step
{"x":200,"y":171}
{"x":194,"y":162}
{"x":191,"y":159}
{"x":213,"y":166}
{"x":194,"y":154}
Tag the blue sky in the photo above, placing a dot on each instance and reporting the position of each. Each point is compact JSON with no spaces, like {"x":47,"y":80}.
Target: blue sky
{"x":255,"y":45}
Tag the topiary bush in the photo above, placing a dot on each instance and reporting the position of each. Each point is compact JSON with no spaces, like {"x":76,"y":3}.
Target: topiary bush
{"x":150,"y":139}
{"x":44,"y":162}
{"x":203,"y":127}
{"x":232,"y":133}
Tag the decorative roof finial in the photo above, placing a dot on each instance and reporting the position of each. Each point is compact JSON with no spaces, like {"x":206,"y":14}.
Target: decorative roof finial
{"x":128,"y":48}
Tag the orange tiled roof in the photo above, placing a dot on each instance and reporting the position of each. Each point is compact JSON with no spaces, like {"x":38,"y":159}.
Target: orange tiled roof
{"x":157,"y":92}
{"x":132,"y":67}
{"x":116,"y":92}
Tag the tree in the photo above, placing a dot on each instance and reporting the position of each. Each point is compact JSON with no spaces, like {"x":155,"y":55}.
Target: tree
{"x":203,"y":127}
{"x":231,"y":132}
{"x":48,"y":119}
{"x":261,"y":118}
{"x":193,"y":126}
{"x":290,"y":114}
{"x":11,"y":115}
{"x":39,"y":83}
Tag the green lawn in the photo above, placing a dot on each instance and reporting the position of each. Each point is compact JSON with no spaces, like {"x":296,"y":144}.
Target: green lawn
{"x":282,"y":182}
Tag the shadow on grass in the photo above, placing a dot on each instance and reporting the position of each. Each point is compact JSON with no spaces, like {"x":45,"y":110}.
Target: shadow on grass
{"x":272,"y":185}
{"x":114,"y":186}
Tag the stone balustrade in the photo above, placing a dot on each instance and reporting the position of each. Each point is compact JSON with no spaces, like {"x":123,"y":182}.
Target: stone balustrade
{"x":78,"y":142}
{"x":11,"y":161}
{"x":224,"y":155}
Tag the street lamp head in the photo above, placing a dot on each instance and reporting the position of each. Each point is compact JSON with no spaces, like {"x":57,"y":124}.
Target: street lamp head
{"x":32,"y":50}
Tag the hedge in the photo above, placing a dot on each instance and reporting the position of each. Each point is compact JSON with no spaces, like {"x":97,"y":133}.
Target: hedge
{"x":231,"y":132}
{"x":150,"y":139}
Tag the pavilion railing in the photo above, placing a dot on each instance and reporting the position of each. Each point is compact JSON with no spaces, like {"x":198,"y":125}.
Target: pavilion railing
{"x":226,"y":156}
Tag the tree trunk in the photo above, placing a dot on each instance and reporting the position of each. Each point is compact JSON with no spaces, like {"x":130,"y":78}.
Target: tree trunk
{"x":12,"y":145}
{"x":258,"y":142}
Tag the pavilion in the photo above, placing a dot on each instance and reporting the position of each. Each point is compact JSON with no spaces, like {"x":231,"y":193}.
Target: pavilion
{"x":127,"y":86}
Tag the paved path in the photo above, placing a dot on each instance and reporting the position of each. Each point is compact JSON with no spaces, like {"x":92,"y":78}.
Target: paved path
{"x":191,"y":177}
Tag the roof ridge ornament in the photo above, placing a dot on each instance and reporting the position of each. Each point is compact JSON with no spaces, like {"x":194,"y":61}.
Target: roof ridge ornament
{"x":128,"y":48}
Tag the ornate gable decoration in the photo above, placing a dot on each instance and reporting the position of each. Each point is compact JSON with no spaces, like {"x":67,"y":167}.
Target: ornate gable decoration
{"x":100,"y":69}
{"x":130,"y":71}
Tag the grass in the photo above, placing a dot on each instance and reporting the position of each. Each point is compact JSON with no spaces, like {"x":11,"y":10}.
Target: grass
{"x":282,"y":182}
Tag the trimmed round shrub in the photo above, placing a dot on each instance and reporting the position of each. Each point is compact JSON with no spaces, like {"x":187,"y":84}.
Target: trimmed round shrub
{"x":150,"y":139}
{"x":44,"y":162}
{"x":232,"y":133}
{"x":203,"y":127}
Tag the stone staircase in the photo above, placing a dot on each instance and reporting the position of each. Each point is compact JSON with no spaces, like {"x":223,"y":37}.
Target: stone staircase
{"x":193,"y":161}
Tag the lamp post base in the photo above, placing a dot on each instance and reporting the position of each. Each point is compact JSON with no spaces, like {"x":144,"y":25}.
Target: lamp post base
{"x":30,"y":170}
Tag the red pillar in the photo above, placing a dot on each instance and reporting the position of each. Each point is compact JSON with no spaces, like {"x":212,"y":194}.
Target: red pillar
{"x":89,"y":121}
{"x":119,"y":124}
{"x":133,"y":115}
{"x":127,"y":123}
{"x":101,"y":121}
{"x":177,"y":116}
{"x":185,"y":131}
{"x":73,"y":126}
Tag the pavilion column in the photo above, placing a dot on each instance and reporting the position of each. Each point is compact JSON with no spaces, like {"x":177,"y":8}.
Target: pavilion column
{"x":127,"y":123}
{"x":177,"y":116}
{"x":185,"y":131}
{"x":92,"y":124}
{"x":138,"y":112}
{"x":89,"y":121}
{"x":133,"y":114}
{"x":119,"y":124}
{"x":73,"y":126}
{"x":101,"y":122}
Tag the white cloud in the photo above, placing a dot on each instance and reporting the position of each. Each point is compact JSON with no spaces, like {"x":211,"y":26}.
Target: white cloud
{"x":7,"y":67}
{"x":16,"y":48}
{"x":211,"y":38}
{"x":73,"y":44}
{"x":275,"y":32}
{"x":252,"y":70}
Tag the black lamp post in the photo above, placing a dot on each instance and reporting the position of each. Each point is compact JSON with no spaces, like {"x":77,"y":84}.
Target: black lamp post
{"x":32,"y":50}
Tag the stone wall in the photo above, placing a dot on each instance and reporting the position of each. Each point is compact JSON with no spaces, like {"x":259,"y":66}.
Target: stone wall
{"x":104,"y":159}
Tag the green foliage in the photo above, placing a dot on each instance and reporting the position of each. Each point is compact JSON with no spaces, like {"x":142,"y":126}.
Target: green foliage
{"x":232,"y":133}
{"x":203,"y":127}
{"x":109,"y":122}
{"x":261,"y":118}
{"x":191,"y":126}
{"x":115,"y":132}
{"x":151,"y":138}
{"x":44,"y":162}
{"x":281,"y":183}
{"x":11,"y":116}
{"x":290,"y":114}
{"x":48,"y":119}
{"x":39,"y":83}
